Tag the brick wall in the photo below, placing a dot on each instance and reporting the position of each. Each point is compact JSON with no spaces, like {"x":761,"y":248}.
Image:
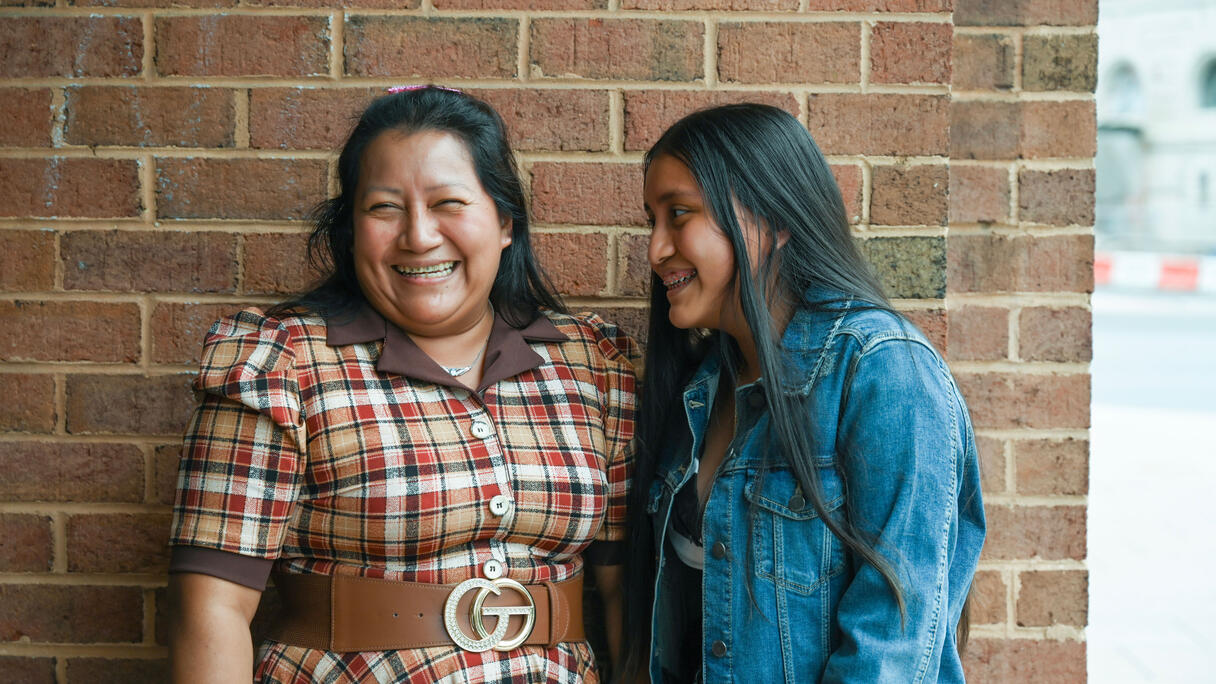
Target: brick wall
{"x":157,"y":158}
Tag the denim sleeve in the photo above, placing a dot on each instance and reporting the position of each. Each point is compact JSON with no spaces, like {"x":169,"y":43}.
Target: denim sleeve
{"x":902,"y":440}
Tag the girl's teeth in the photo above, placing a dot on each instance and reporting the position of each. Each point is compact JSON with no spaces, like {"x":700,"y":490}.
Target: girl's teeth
{"x":436,"y":270}
{"x":680,"y":281}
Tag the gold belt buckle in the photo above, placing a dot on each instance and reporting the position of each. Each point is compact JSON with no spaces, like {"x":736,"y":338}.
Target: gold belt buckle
{"x":487,"y":639}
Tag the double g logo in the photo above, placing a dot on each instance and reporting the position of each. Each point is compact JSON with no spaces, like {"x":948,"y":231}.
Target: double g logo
{"x":488,"y":639}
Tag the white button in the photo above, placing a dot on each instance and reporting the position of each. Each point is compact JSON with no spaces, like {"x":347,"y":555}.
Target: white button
{"x":481,"y":429}
{"x":499,"y":505}
{"x":492,"y":569}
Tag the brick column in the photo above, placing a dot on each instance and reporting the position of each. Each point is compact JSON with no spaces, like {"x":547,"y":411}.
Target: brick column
{"x":158,"y":162}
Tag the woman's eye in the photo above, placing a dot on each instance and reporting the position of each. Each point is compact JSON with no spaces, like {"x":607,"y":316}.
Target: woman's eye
{"x":450,"y":203}
{"x":382,"y":206}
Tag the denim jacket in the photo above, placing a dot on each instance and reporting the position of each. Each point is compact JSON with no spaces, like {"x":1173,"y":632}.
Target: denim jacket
{"x":888,"y":420}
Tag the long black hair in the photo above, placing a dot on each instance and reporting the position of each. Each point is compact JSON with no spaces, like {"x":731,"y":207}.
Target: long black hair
{"x":520,"y":287}
{"x":757,"y":161}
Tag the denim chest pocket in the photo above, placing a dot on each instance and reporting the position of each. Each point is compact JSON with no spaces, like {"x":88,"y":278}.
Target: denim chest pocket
{"x":791,"y":545}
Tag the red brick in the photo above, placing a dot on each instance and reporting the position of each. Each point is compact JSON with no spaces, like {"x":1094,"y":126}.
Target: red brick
{"x":29,"y":404}
{"x":1060,"y":63}
{"x":728,"y":5}
{"x":992,"y":464}
{"x":29,"y":670}
{"x":346,"y":4}
{"x":1058,"y":198}
{"x":534,"y":5}
{"x":108,"y":670}
{"x":119,"y":542}
{"x":979,"y":194}
{"x":69,"y":187}
{"x":476,"y":47}
{"x":1023,"y":263}
{"x":145,"y":261}
{"x":908,"y":52}
{"x":1047,"y":334}
{"x":988,"y":598}
{"x":27,"y":260}
{"x":242,"y":45}
{"x":156,"y":4}
{"x":1058,"y":129}
{"x":1025,"y":12}
{"x":1024,"y":661}
{"x":634,"y":278}
{"x":552,"y":119}
{"x":879,"y":5}
{"x":128,"y":404}
{"x":1052,"y":467}
{"x":272,"y":189}
{"x":69,"y":331}
{"x":909,"y":195}
{"x":164,"y":473}
{"x":45,"y":471}
{"x":849,"y":180}
{"x":880,"y":124}
{"x":28,"y":117}
{"x":984,"y":130}
{"x":629,"y":49}
{"x":1011,"y":400}
{"x":72,"y":47}
{"x":979,"y":333}
{"x":1035,"y":532}
{"x":632,"y":320}
{"x":71,"y":614}
{"x":793,"y":52}
{"x":277,"y":263}
{"x":577,"y":262}
{"x":1048,"y":598}
{"x":983,"y":62}
{"x":178,"y":329}
{"x":649,"y":112}
{"x":305,"y":118}
{"x":123,"y":115}
{"x":587,"y":193}
{"x":25,"y":542}
{"x":931,"y":322}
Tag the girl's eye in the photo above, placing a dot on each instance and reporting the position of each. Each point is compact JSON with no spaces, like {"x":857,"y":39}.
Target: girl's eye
{"x":677,"y":212}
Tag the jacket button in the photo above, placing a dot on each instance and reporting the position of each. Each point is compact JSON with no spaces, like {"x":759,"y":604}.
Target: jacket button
{"x":797,"y":502}
{"x":718,"y":648}
{"x":718,"y":550}
{"x":756,"y":399}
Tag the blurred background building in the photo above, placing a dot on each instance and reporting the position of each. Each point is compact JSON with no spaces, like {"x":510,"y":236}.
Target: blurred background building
{"x":1156,"y":185}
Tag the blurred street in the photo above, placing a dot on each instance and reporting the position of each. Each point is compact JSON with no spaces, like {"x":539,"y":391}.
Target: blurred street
{"x":1152,"y":541}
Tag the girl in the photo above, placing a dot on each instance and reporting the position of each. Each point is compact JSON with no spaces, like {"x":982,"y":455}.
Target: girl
{"x":807,"y":491}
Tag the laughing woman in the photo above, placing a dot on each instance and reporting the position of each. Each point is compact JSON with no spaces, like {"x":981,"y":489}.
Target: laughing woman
{"x":425,"y":450}
{"x":806,"y":499}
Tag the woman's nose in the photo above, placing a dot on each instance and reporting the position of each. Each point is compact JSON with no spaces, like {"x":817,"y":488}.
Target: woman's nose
{"x":420,"y":232}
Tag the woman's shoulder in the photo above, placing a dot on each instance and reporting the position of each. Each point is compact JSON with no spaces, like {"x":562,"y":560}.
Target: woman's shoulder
{"x":611,"y":341}
{"x":257,"y":342}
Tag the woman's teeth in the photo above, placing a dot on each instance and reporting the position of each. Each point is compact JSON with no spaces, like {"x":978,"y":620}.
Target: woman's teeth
{"x":673,"y":284}
{"x":432,"y":271}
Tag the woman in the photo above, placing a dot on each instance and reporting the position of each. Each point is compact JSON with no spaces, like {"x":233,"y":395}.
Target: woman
{"x":805,"y":462}
{"x":425,"y":448}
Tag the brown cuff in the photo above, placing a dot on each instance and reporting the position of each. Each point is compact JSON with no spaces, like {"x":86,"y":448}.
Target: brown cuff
{"x":244,"y":570}
{"x":605,"y":553}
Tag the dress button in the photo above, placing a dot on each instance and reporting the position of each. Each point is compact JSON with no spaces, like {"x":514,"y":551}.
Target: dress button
{"x":492,"y":569}
{"x":481,"y":429}
{"x":500,"y":504}
{"x":718,"y":648}
{"x":797,"y":502}
{"x":756,"y":399}
{"x":718,"y":550}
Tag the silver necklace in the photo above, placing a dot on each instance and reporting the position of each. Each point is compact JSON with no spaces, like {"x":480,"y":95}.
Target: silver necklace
{"x":457,"y":371}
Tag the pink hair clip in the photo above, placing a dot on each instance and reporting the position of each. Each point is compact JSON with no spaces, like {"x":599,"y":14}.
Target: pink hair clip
{"x":407,"y":88}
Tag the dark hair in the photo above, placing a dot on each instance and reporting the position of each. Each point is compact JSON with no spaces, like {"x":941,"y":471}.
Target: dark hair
{"x":520,"y":288}
{"x":759,"y":161}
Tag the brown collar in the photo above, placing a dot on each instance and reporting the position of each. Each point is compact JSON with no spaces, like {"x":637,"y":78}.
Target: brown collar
{"x":507,"y":350}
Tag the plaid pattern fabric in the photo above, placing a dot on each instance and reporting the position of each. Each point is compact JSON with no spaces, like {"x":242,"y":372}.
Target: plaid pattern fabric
{"x":313,"y":454}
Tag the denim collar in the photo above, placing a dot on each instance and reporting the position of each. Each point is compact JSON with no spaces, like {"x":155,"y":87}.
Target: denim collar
{"x":507,"y":351}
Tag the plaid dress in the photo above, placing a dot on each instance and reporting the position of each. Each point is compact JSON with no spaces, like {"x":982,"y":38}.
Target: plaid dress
{"x":343,"y":449}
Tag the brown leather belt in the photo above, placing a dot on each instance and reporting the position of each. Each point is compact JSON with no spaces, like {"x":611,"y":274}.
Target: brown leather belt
{"x":346,"y":613}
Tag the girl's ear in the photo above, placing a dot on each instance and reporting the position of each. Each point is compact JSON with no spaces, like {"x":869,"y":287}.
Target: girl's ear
{"x":782,"y":238}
